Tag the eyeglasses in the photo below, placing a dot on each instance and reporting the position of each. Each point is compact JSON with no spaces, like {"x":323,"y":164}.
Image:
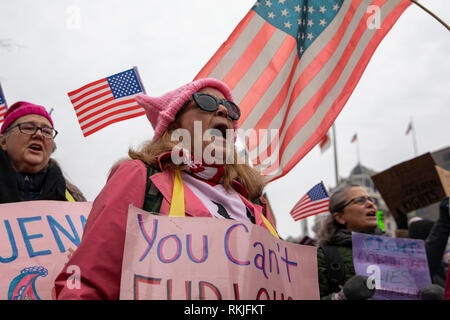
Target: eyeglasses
{"x":209,"y":103}
{"x":31,"y":129}
{"x":359,"y":200}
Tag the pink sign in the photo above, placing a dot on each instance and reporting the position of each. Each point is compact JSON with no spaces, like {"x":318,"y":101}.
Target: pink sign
{"x":184,"y":258}
{"x":36,"y":240}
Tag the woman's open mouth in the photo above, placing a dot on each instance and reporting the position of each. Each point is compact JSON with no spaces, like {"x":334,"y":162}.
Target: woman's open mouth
{"x":35,"y":147}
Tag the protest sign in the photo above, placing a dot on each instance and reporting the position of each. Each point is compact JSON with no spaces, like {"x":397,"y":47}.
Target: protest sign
{"x":185,"y":258}
{"x":413,"y":184}
{"x":399,"y":266}
{"x":36,"y":240}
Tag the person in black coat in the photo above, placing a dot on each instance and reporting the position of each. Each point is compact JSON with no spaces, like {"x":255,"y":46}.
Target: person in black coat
{"x":26,"y":170}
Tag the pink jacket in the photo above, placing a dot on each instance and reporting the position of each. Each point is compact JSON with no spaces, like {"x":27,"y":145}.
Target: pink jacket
{"x":99,"y":256}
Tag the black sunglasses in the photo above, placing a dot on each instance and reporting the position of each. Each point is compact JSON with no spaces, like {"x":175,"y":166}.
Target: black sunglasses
{"x":209,"y":103}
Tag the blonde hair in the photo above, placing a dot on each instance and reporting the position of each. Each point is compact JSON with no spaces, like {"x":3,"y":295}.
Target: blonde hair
{"x":250,"y":178}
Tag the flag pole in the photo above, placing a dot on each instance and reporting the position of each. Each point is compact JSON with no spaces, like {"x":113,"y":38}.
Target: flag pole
{"x":336,"y":171}
{"x":357,"y":150}
{"x":413,"y":129}
{"x":431,"y":13}
{"x":305,"y":227}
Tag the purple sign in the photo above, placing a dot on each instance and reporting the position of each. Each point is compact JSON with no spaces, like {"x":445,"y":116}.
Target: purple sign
{"x":399,"y":266}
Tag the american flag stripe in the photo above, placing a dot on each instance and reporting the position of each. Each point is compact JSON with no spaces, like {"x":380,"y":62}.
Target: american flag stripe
{"x":113,"y":119}
{"x":3,"y":105}
{"x":232,"y":49}
{"x":109,"y":110}
{"x":312,"y":207}
{"x":101,"y":106}
{"x":312,"y":211}
{"x":301,"y":98}
{"x":315,"y":201}
{"x":341,"y":91}
{"x":298,"y":217}
{"x":305,"y":203}
{"x":98,"y":88}
{"x":96,"y":106}
{"x":305,"y":97}
{"x":364,"y":50}
{"x":2,"y":112}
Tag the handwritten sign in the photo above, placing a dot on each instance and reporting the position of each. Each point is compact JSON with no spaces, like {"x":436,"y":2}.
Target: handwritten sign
{"x":183,"y":258}
{"x":399,"y":266}
{"x":413,"y":184}
{"x":36,"y":240}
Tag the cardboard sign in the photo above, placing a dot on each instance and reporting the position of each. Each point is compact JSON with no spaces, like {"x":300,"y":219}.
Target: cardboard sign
{"x":185,"y":258}
{"x":398,"y":265}
{"x":36,"y":240}
{"x":413,"y":184}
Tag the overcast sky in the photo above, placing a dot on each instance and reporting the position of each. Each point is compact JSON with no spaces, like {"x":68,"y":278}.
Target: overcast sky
{"x":52,"y":47}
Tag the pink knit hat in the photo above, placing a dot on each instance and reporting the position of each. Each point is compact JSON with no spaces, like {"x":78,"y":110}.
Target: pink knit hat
{"x":161,"y":111}
{"x":20,"y":109}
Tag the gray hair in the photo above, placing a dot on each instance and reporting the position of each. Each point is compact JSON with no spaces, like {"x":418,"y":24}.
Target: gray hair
{"x":329,"y":225}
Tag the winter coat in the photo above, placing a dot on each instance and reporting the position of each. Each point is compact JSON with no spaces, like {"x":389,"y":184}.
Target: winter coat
{"x":436,"y":243}
{"x":49,"y":184}
{"x":100,"y":253}
{"x":343,"y":241}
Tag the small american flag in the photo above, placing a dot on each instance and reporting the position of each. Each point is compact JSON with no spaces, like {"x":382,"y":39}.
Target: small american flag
{"x":354,"y":138}
{"x":315,"y":201}
{"x":3,"y":105}
{"x":292,"y":66}
{"x":107,"y":101}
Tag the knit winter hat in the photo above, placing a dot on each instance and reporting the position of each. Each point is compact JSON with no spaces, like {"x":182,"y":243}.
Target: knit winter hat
{"x":20,"y":109}
{"x":161,"y":111}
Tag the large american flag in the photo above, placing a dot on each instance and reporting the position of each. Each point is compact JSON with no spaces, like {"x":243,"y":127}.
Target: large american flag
{"x":3,"y":105}
{"x":108,"y":100}
{"x":293,"y":64}
{"x":315,"y":201}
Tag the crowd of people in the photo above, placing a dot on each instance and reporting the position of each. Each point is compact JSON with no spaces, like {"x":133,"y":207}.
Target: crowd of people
{"x":169,"y":178}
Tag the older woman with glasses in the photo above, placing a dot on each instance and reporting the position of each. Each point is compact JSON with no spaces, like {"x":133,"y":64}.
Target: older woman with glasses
{"x":352,"y":210}
{"x":26,"y":170}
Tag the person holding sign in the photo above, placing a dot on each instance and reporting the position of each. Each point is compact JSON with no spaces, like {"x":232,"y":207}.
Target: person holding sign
{"x":352,"y":210}
{"x":199,"y":176}
{"x":26,"y":170}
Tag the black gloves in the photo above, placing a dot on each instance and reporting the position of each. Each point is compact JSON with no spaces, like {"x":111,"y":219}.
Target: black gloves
{"x":432,"y":292}
{"x":356,"y":288}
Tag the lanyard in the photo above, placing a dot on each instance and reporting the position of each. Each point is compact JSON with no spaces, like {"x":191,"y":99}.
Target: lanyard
{"x":177,"y":208}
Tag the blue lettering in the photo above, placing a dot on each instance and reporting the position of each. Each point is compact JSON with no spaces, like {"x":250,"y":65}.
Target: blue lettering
{"x":12,"y":241}
{"x":27,"y":237}
{"x":189,"y":249}
{"x":262,"y":265}
{"x":227,"y":245}
{"x":288,"y":263}
{"x":54,"y":225}
{"x":83,"y":221}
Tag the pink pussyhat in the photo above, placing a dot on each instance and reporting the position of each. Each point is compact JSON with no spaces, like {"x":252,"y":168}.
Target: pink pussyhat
{"x":161,"y":111}
{"x":20,"y":109}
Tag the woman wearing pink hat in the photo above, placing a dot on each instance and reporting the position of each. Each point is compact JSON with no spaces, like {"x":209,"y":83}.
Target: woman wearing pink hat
{"x":153,"y":179}
{"x":26,"y":170}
